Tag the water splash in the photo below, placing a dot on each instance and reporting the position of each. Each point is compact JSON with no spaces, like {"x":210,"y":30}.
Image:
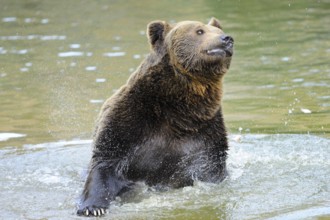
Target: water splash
{"x":262,"y":169}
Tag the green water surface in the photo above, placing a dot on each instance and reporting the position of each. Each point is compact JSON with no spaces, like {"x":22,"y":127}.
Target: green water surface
{"x":280,"y":67}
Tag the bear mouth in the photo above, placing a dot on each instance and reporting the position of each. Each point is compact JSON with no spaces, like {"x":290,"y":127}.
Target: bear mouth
{"x":223,"y":52}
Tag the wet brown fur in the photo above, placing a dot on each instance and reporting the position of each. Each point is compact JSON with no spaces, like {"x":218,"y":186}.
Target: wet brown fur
{"x":165,"y":125}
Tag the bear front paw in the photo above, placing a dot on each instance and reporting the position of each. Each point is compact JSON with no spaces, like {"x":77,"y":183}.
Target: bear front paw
{"x":91,"y":211}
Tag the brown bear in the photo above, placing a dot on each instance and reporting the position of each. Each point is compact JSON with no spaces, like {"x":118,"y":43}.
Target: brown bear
{"x":165,"y":126}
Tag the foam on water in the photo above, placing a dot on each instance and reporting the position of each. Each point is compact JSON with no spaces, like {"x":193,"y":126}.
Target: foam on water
{"x":33,"y":37}
{"x":75,"y":46}
{"x":44,"y":21}
{"x":309,"y":213}
{"x":7,"y":136}
{"x":71,"y":54}
{"x":2,"y":50}
{"x":100,"y":80}
{"x":56,"y":144}
{"x":91,"y":68}
{"x":9,"y":19}
{"x":96,"y":101}
{"x":114,"y":54}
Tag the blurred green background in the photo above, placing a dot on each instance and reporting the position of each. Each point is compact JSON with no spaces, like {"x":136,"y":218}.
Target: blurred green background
{"x":59,"y":60}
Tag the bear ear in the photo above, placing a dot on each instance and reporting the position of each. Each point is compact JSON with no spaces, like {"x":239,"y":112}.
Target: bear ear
{"x":215,"y":22}
{"x":157,"y":31}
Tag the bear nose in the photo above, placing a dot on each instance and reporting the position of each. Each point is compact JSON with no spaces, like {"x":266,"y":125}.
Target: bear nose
{"x":226,"y":39}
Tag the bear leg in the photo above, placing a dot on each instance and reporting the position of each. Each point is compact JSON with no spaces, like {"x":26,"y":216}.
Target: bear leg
{"x":101,"y":187}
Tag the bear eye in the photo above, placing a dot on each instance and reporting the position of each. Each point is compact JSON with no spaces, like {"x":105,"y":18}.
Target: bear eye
{"x":200,"y":31}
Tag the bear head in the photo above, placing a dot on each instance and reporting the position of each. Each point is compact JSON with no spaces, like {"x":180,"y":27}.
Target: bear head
{"x":193,"y":48}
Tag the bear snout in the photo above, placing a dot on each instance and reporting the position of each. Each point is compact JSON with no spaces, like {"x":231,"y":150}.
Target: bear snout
{"x":225,"y":39}
{"x":227,"y":43}
{"x":223,"y":47}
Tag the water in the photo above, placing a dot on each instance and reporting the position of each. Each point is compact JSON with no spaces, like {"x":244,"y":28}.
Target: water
{"x":271,"y":177}
{"x":60,"y":60}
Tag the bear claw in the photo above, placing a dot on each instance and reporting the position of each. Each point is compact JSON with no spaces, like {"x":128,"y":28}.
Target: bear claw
{"x":91,"y":212}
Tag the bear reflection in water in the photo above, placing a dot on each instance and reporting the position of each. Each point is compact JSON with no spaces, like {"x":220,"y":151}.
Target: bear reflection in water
{"x":165,"y":126}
